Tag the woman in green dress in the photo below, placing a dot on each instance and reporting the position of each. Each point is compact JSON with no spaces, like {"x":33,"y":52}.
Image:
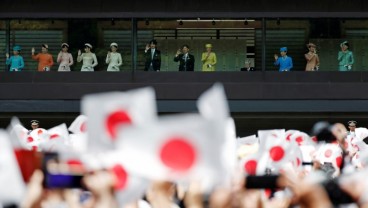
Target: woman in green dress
{"x":345,"y":57}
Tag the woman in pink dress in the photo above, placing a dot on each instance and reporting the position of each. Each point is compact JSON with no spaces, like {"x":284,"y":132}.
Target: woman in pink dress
{"x":312,"y":58}
{"x":65,"y":59}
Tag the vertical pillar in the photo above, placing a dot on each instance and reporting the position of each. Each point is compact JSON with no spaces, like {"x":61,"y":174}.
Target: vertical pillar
{"x":134,"y":40}
{"x":7,"y":39}
{"x":263,"y":44}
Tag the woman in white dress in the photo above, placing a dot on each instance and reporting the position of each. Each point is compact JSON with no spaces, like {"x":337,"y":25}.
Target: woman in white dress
{"x":89,"y":58}
{"x":113,"y":58}
{"x":65,"y":59}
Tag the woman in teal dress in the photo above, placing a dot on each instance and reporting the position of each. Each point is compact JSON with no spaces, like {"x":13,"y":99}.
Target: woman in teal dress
{"x":345,"y":57}
{"x":15,"y":61}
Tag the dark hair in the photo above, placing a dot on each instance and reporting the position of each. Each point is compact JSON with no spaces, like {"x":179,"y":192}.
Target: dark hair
{"x":322,"y":131}
{"x":153,"y":41}
{"x":185,"y":45}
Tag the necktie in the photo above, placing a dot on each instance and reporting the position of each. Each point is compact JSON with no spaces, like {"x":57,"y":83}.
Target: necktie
{"x":152,"y":52}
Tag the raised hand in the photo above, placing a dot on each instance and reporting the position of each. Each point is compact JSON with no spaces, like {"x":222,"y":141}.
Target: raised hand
{"x":147,"y":47}
{"x":178,"y":52}
{"x":7,"y":55}
{"x":79,"y":52}
{"x":33,"y":50}
{"x":276,"y":56}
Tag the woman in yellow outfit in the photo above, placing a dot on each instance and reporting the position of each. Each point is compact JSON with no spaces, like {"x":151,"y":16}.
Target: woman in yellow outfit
{"x":209,"y":59}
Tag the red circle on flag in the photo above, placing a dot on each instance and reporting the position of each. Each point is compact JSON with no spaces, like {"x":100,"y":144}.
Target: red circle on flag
{"x":54,"y":136}
{"x":115,"y":119}
{"x":178,"y":154}
{"x":328,"y":153}
{"x":314,"y":139}
{"x":29,"y":139}
{"x":298,"y":162}
{"x":339,"y":161}
{"x":250,"y":167}
{"x":288,"y":137}
{"x":83,"y":127}
{"x":121,"y":176}
{"x":39,"y":131}
{"x":277,"y":153}
{"x":299,"y":140}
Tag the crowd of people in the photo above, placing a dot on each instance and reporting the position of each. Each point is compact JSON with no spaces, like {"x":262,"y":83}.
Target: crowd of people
{"x":121,"y":154}
{"x":153,"y":59}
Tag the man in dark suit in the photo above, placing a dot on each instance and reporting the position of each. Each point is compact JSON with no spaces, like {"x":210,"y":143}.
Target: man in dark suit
{"x":247,"y":66}
{"x":186,"y":60}
{"x":153,"y":57}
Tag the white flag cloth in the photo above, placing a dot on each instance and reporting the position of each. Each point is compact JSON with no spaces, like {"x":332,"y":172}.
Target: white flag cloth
{"x":35,"y":138}
{"x":79,"y":125}
{"x":212,"y":104}
{"x":128,"y":187}
{"x":78,"y":142}
{"x":252,"y":139}
{"x":264,"y":135}
{"x":108,"y":111}
{"x":276,"y":152}
{"x":12,"y":187}
{"x":361,"y":133}
{"x":55,"y":139}
{"x":329,"y":153}
{"x":18,"y":134}
{"x":175,"y":147}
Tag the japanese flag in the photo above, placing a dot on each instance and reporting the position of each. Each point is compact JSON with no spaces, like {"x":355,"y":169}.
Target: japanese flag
{"x":55,"y":139}
{"x":128,"y":186}
{"x":276,"y":152}
{"x":35,"y":138}
{"x":18,"y":134}
{"x":247,"y":146}
{"x":265,"y":135}
{"x":300,"y":138}
{"x":175,"y":147}
{"x":12,"y":187}
{"x":79,"y":125}
{"x":251,"y":166}
{"x":108,"y":111}
{"x":330,"y":153}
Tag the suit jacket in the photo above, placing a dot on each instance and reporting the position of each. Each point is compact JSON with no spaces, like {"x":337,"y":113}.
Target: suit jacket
{"x":245,"y":69}
{"x":185,"y":65}
{"x":156,"y":60}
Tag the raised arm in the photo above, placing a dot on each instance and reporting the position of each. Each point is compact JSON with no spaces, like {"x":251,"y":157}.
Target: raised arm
{"x":340,"y":55}
{"x":58,"y":60}
{"x":8,"y":60}
{"x":204,"y":57}
{"x":108,"y":57}
{"x":80,"y":56}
